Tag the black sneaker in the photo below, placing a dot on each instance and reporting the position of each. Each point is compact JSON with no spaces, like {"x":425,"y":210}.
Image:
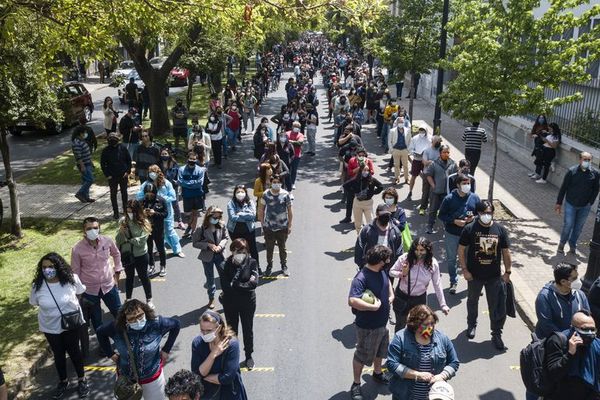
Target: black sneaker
{"x":269,"y":270}
{"x":61,"y":388}
{"x":116,"y":216}
{"x":471,"y":332}
{"x":187,"y":232}
{"x":346,"y":220}
{"x":381,"y":378}
{"x":498,"y":342}
{"x":249,"y":363}
{"x":80,"y":197}
{"x":284,"y":270}
{"x":83,"y":389}
{"x":453,"y":288}
{"x":355,"y":392}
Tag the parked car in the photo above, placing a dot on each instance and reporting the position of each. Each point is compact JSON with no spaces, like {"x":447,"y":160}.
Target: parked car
{"x":179,"y":76}
{"x":138,"y":81}
{"x":124,"y":69}
{"x":157,"y":62}
{"x":75,"y":102}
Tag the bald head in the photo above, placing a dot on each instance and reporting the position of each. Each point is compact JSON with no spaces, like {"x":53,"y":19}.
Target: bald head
{"x":583,"y":321}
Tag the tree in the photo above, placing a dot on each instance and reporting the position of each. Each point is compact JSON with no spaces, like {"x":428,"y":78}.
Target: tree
{"x":409,"y":42}
{"x":27,"y":82}
{"x":506,"y":57}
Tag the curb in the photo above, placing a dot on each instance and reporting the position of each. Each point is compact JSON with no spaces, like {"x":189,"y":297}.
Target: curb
{"x":524,"y":300}
{"x":16,"y":388}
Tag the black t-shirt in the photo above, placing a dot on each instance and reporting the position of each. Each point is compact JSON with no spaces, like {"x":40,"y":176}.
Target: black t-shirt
{"x":378,"y":283}
{"x":131,"y":89}
{"x":485,"y":244}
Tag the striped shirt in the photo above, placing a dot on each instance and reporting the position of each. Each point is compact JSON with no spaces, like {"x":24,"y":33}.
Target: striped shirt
{"x":81,"y":151}
{"x":474,"y":137}
{"x":421,"y":389}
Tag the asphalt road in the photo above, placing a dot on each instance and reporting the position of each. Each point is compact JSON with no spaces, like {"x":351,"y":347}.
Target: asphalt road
{"x":304,"y":336}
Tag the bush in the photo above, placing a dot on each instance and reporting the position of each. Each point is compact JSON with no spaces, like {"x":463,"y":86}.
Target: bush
{"x":586,"y":127}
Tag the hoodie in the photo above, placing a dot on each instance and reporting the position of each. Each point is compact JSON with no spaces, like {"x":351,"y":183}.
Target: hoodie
{"x":554,"y":311}
{"x":456,"y":207}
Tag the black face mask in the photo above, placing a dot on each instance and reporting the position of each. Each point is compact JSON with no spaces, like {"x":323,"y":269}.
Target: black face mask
{"x":587,"y":336}
{"x":113,"y":142}
{"x":191,"y":163}
{"x":383,"y":219}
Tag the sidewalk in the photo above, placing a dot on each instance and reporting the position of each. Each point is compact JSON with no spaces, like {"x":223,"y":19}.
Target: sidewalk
{"x":535,"y":231}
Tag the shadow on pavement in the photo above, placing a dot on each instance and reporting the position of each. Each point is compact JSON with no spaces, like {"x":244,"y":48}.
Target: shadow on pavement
{"x":341,"y":255}
{"x":468,"y":351}
{"x":497,"y":394}
{"x":346,"y":336}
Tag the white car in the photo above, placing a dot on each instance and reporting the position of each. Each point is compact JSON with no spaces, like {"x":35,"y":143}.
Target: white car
{"x":157,"y":62}
{"x":124,"y":69}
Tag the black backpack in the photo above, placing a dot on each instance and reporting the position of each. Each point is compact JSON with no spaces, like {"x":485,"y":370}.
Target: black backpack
{"x":532,"y":359}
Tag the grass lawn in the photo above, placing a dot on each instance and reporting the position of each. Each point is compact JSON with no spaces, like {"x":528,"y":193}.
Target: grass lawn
{"x":20,"y":340}
{"x":62,"y":171}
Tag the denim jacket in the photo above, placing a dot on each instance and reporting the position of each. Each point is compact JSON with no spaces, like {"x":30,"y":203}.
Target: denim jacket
{"x":240,"y":213}
{"x":145,"y":345}
{"x":403,"y":355}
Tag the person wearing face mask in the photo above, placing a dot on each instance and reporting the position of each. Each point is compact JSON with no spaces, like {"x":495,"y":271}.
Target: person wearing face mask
{"x":239,"y":279}
{"x":115,"y":162}
{"x":216,"y":358}
{"x":285,"y":151}
{"x":180,"y":115}
{"x":213,"y":128}
{"x":199,"y":142}
{"x":192,"y":181}
{"x":390,"y":199}
{"x":488,"y":245}
{"x":145,"y":155}
{"x":155,"y":208}
{"x":55,"y":292}
{"x":138,"y":331}
{"x":437,"y":175}
{"x":211,"y":239}
{"x":261,"y":138}
{"x":83,"y":160}
{"x":234,"y":126}
{"x":241,"y":214}
{"x":170,"y":169}
{"x":296,"y":139}
{"x":249,"y":104}
{"x":456,"y":211}
{"x":363,"y":188}
{"x":399,"y":140}
{"x":90,"y":138}
{"x":573,"y":366}
{"x":371,"y":316}
{"x":415,"y":270}
{"x":416,"y":148}
{"x":312,"y":122}
{"x":578,"y":192}
{"x":419,"y":356}
{"x":429,"y":156}
{"x":276,"y":216}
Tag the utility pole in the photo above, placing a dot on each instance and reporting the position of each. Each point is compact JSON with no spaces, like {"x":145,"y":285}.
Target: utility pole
{"x":437,"y":116}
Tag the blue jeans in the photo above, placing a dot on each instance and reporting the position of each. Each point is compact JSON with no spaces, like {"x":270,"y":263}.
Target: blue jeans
{"x":294,"y":169}
{"x":111,"y":300}
{"x":87,"y":178}
{"x":225,"y":140}
{"x":573,"y":223}
{"x":451,"y":242}
{"x":209,"y":272}
{"x":385,"y":130}
{"x":249,"y":116}
{"x":230,"y":135}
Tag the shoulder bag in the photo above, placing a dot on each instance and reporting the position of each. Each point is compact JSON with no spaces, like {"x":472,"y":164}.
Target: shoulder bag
{"x":125,"y":389}
{"x":71,"y":320}
{"x":127,"y":255}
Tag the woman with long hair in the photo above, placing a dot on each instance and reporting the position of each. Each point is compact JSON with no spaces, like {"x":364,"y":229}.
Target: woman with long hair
{"x":263,"y":181}
{"x":215,"y":357}
{"x":241,"y":214}
{"x":139,"y":331}
{"x":415,"y":270}
{"x":132,"y":240}
{"x":55,"y":291}
{"x":155,"y":208}
{"x":170,"y":169}
{"x":539,"y":130}
{"x":110,"y":115}
{"x":390,"y":198}
{"x":211,"y":239}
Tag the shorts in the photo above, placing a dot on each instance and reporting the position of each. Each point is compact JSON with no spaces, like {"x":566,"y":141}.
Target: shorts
{"x":193,"y":203}
{"x":180,"y":131}
{"x":371,"y":344}
{"x":416,"y":167}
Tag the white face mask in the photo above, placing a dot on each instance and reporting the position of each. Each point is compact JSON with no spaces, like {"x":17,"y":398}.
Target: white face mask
{"x":153,"y":175}
{"x":389,"y":201}
{"x":296,"y":129}
{"x":466,"y":188}
{"x":240,"y":196}
{"x":585,"y":165}
{"x":239,"y":258}
{"x":576,"y":284}
{"x":209,"y":337}
{"x":92,"y":234}
{"x":485,"y":218}
{"x":276,"y":186}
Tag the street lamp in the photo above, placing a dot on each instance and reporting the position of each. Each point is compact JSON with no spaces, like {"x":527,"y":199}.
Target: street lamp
{"x":593,"y":267}
{"x":437,"y":116}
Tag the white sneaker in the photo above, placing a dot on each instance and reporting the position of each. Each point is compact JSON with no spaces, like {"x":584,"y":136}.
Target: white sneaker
{"x":150,"y":304}
{"x":531,"y":174}
{"x":294,"y":187}
{"x":535,"y":177}
{"x":291,"y":196}
{"x":540,"y":181}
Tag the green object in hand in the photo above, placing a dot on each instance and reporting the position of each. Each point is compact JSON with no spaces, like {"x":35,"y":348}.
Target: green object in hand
{"x":368,"y":297}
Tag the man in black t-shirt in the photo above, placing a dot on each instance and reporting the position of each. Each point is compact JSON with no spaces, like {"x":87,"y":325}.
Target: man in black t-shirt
{"x":483,"y":244}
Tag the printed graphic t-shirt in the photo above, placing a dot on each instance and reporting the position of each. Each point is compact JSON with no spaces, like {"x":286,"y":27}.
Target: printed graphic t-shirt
{"x":485,"y":244}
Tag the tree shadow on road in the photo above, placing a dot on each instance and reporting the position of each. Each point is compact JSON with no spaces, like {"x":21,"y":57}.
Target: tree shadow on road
{"x":468,"y":351}
{"x":497,"y":394}
{"x":346,"y":336}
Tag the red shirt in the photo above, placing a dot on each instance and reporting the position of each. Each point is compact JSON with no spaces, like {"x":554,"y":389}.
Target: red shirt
{"x":353,"y":164}
{"x":299,"y":137}
{"x":234,"y":124}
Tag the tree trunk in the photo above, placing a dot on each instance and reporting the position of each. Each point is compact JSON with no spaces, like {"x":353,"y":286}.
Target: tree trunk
{"x":190,"y":90}
{"x":411,"y":94}
{"x":158,"y":106}
{"x":215,"y":80}
{"x":15,"y":220}
{"x":494,"y":159}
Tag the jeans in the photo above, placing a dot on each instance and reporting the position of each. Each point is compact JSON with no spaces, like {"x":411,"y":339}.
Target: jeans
{"x":385,"y":130}
{"x":87,"y":178}
{"x":171,"y":237}
{"x":573,"y":223}
{"x":435,"y":201}
{"x":61,"y":344}
{"x":294,"y":169}
{"x":209,"y":273}
{"x":140,"y":264}
{"x":217,"y":150}
{"x":495,"y":294}
{"x":111,"y":300}
{"x":230,"y":136}
{"x":311,"y":134}
{"x":473,"y":156}
{"x":118,"y":184}
{"x":425,"y":195}
{"x":132,"y":147}
{"x":451,"y":242}
{"x":249,"y":115}
{"x":279,"y":237}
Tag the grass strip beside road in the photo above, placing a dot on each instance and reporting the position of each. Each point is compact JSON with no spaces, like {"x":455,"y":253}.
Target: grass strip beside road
{"x":63,"y":171}
{"x":20,"y":341}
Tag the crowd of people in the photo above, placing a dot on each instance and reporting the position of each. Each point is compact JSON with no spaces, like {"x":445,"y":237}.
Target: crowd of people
{"x":395,"y":269}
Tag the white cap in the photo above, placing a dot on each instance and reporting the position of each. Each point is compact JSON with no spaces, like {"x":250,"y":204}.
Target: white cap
{"x":441,"y":390}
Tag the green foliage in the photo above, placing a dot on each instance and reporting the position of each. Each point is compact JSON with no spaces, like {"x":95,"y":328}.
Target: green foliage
{"x":505,"y":57}
{"x":586,"y":127}
{"x":208,"y":53}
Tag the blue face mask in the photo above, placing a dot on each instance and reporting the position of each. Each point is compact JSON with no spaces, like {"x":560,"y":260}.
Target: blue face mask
{"x":138,"y":325}
{"x":214,"y":221}
{"x":49,"y":273}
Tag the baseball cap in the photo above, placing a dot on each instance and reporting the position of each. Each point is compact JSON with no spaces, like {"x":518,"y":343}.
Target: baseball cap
{"x":383,"y":209}
{"x":441,"y":390}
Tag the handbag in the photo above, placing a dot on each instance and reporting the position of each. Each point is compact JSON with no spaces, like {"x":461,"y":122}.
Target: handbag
{"x":125,"y":389}
{"x":71,"y":320}
{"x":400,"y":299}
{"x":127,"y":255}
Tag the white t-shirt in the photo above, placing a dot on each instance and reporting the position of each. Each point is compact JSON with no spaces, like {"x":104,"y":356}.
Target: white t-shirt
{"x":66,"y":297}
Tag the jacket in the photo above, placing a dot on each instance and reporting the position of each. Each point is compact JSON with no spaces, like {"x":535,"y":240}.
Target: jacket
{"x":145,"y":345}
{"x":213,"y":234}
{"x":191,"y":181}
{"x":136,"y":240}
{"x":454,"y":206}
{"x":357,"y":185}
{"x":235,"y":280}
{"x":144,"y":157}
{"x":236,"y":212}
{"x":439,"y":171}
{"x":579,"y":186}
{"x":166,"y":191}
{"x":115,"y":161}
{"x":554,"y":312}
{"x":159,"y":205}
{"x":368,"y":237}
{"x":403,"y":355}
{"x":393,"y":137}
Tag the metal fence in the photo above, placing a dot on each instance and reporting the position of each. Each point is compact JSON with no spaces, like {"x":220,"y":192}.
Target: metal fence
{"x":579,"y":120}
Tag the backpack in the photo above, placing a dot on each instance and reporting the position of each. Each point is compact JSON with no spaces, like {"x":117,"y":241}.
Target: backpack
{"x":532,"y":359}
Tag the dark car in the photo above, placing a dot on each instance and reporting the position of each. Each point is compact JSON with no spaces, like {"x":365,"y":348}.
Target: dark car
{"x":75,"y":102}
